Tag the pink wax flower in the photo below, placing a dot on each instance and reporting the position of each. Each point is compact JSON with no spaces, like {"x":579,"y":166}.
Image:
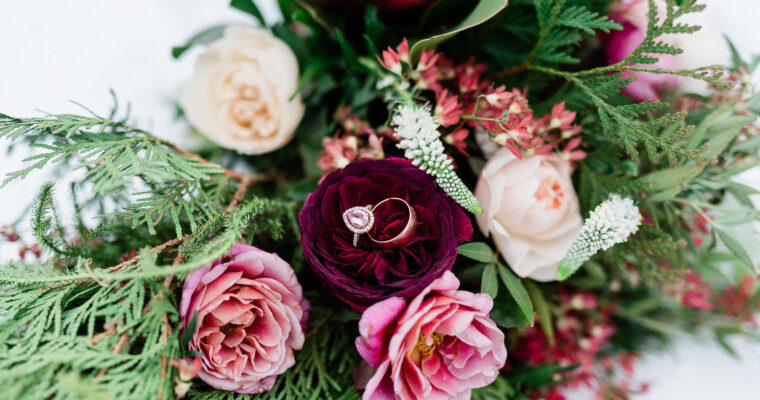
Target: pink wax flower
{"x":250,"y":318}
{"x":631,"y":14}
{"x":440,"y":345}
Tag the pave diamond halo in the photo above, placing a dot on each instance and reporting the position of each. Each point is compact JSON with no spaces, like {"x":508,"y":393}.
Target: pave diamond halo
{"x":359,"y":220}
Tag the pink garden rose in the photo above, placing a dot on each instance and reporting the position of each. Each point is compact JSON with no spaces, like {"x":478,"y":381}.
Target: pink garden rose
{"x":251,"y":316}
{"x":439,"y":346}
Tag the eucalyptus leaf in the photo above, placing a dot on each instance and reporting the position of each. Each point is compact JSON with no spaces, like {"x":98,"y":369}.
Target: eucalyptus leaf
{"x":668,"y":178}
{"x":726,"y":132}
{"x":737,"y":218}
{"x":736,"y":248}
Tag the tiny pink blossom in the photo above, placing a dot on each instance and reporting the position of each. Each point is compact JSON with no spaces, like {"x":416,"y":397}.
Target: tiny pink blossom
{"x":447,"y":109}
{"x":457,"y":139}
{"x":499,"y":98}
{"x":440,"y":345}
{"x":560,"y":118}
{"x":569,"y":152}
{"x":468,"y":75}
{"x":428,"y":59}
{"x":392,"y":59}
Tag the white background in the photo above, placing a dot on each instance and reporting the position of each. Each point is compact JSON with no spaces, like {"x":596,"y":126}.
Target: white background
{"x":55,"y":51}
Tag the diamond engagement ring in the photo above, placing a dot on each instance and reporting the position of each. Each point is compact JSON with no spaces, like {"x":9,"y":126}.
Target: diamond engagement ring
{"x":361,"y":219}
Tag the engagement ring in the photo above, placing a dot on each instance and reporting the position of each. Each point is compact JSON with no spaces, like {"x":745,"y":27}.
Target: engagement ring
{"x":361,"y":219}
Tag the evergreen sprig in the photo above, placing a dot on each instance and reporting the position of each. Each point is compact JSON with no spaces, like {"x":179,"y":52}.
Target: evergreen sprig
{"x":560,"y":28}
{"x":118,"y":158}
{"x":632,"y":125}
{"x":59,"y":320}
{"x":76,"y":330}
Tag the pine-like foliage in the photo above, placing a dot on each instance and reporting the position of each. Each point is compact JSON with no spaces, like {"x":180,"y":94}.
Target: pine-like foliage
{"x":560,"y":27}
{"x":630,"y":125}
{"x":83,"y":331}
{"x":119,"y":158}
{"x":89,"y":340}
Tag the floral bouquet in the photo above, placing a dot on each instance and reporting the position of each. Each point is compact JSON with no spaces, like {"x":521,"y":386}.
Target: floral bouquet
{"x":396,"y":199}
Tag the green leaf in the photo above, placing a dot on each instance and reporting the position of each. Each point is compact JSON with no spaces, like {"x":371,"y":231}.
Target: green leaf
{"x":724,"y":132}
{"x":477,"y":251}
{"x":668,"y":178}
{"x":665,"y":194}
{"x":652,"y":324}
{"x":490,"y":283}
{"x":736,"y":218}
{"x":518,"y":292}
{"x":753,"y":104}
{"x":542,"y":309}
{"x":203,"y":37}
{"x":248,"y":7}
{"x":506,"y":313}
{"x":736,"y":248}
{"x":189,"y":332}
{"x":485,"y":10}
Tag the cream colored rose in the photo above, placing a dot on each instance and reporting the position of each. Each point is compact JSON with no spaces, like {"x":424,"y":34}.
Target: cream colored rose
{"x":531,"y":211}
{"x":239,"y":94}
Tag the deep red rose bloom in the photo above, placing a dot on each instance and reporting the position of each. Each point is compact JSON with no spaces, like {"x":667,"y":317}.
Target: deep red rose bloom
{"x":366,"y":274}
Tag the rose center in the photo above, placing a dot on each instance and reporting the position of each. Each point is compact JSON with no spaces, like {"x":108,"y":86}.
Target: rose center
{"x":427,"y":349}
{"x":550,"y":193}
{"x":228,"y":328}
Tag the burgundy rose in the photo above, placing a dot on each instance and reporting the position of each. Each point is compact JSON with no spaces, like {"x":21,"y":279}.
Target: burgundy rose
{"x":366,"y":274}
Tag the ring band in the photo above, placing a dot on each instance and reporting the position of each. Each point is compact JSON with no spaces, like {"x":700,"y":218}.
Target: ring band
{"x":361,"y":219}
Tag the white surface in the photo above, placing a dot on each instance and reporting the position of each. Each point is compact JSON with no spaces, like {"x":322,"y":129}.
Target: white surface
{"x":53,"y":51}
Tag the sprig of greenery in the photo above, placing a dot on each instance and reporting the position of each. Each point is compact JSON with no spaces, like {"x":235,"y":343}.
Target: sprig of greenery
{"x":118,"y":157}
{"x":75,"y":331}
{"x":560,"y":28}
{"x":631,"y":125}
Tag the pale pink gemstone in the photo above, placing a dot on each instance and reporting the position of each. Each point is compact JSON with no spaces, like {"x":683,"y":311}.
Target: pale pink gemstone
{"x":358,"y":218}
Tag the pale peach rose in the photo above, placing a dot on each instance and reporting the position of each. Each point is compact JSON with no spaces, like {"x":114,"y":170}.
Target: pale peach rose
{"x":240,"y":94}
{"x":531,"y":211}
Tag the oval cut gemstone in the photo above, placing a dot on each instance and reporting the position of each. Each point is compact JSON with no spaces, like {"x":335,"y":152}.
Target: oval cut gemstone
{"x":358,"y":218}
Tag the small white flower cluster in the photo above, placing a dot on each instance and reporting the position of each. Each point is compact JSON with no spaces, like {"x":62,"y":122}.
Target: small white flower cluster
{"x":610,"y":223}
{"x":421,"y":144}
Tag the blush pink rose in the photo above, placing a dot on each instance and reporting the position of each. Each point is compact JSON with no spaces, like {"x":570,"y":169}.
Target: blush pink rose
{"x":439,"y":346}
{"x":251,"y":316}
{"x":531,"y":211}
